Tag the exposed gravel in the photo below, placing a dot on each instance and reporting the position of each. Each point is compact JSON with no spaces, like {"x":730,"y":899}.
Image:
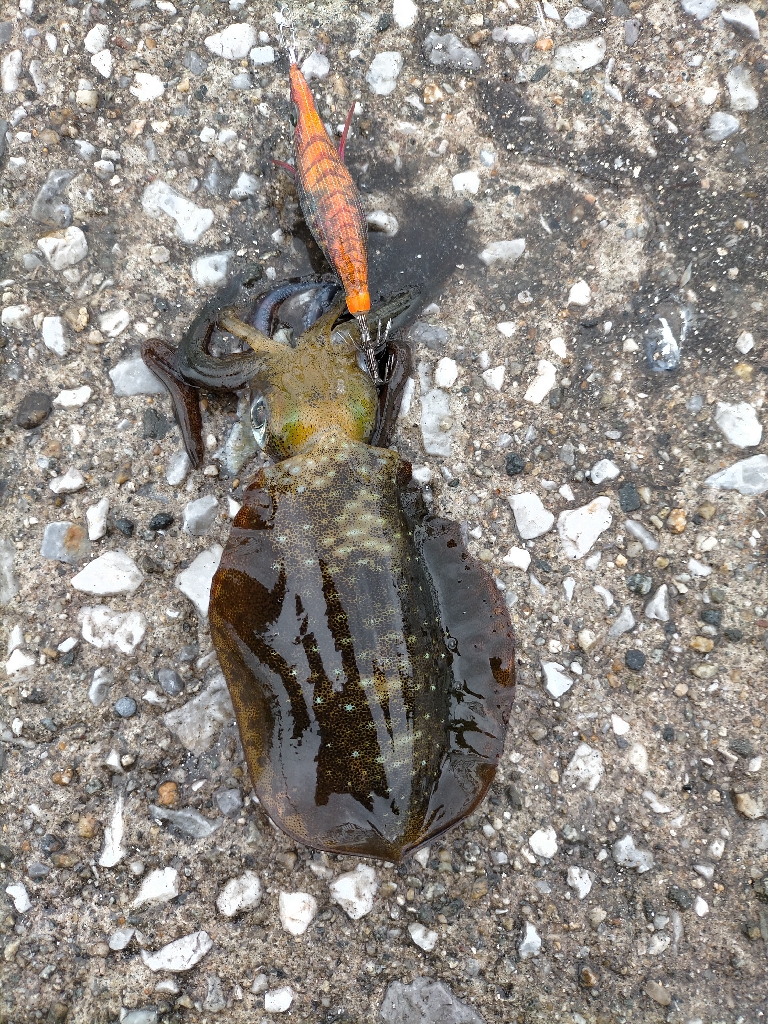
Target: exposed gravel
{"x":590,"y":401}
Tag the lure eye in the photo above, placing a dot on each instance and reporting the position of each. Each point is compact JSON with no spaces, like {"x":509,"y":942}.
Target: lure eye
{"x":293,"y":114}
{"x":259,"y":418}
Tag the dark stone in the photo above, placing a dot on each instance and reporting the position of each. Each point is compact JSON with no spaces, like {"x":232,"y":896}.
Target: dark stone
{"x":555,"y":398}
{"x":6,"y":854}
{"x":188,"y":653}
{"x":48,"y":208}
{"x":37,"y":870}
{"x":125,"y":526}
{"x":515,"y":798}
{"x":733,"y":634}
{"x":194,"y":63}
{"x":433,"y":336}
{"x":712,"y":616}
{"x":629,"y":499}
{"x":635,"y":660}
{"x":514,"y":464}
{"x":151,"y":565}
{"x":620,"y":9}
{"x":34,"y":696}
{"x":33,"y":409}
{"x":680,"y":896}
{"x":161,"y":521}
{"x":639,"y":584}
{"x":126,"y":707}
{"x":760,"y":886}
{"x":171,"y":681}
{"x":51,"y":844}
{"x":6,"y":31}
{"x":384,"y":23}
{"x":740,"y":745}
{"x":632,"y":29}
{"x":541,"y":72}
{"x":216,"y":181}
{"x":667,"y":733}
{"x":3,"y":132}
{"x":155,"y":424}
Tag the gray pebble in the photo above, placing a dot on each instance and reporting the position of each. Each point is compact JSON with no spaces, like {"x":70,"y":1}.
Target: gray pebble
{"x":171,"y":682}
{"x":126,"y":707}
{"x":229,"y":801}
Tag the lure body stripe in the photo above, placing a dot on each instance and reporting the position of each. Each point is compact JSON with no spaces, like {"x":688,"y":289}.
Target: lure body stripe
{"x":328,"y":197}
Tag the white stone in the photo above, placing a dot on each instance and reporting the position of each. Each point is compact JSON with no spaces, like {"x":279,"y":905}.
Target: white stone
{"x":114,"y":851}
{"x":550,"y":11}
{"x":97,"y":38}
{"x":73,"y":480}
{"x":721,"y":126}
{"x":422,"y":936}
{"x":195,"y":581}
{"x":742,"y":91}
{"x":639,"y":532}
{"x":626,"y":854}
{"x":542,"y":383}
{"x":435,"y":411}
{"x":53,"y":335}
{"x":132,"y":376}
{"x":10,"y":70}
{"x":114,"y":572}
{"x":159,"y":886}
{"x":233,"y":42}
{"x":531,"y":517}
{"x":514,"y":35}
{"x":73,"y":398}
{"x":580,"y":880}
{"x":191,"y":221}
{"x":199,"y":515}
{"x":211,"y":271}
{"x":743,"y":19}
{"x":576,"y":18}
{"x":15,"y":317}
{"x":446,"y":373}
{"x":103,"y":628}
{"x":623,"y":622}
{"x":604,"y":470}
{"x":316,"y":65}
{"x":739,"y":423}
{"x":579,"y":528}
{"x":103,"y":62}
{"x":518,"y":558}
{"x":382,"y":221}
{"x":354,"y":891}
{"x":750,"y":476}
{"x":745,"y":342}
{"x":278,"y":1000}
{"x":404,"y":13}
{"x":505,"y":251}
{"x":530,"y":944}
{"x":180,"y":955}
{"x":507,"y":328}
{"x":64,"y":248}
{"x":585,"y":769}
{"x":383,"y":72}
{"x":297,"y":911}
{"x":637,"y":757}
{"x":15,"y":638}
{"x":580,"y":294}
{"x":19,"y":663}
{"x":619,"y":726}
{"x":656,"y":805}
{"x":658,"y":606}
{"x":700,"y":907}
{"x":543,"y":843}
{"x":556,"y":680}
{"x":178,"y":468}
{"x":494,"y":378}
{"x":198,"y":722}
{"x":146,"y":87}
{"x":696,"y":568}
{"x":466,"y":181}
{"x":120,"y":938}
{"x":239,"y":894}
{"x":559,"y":348}
{"x":580,"y":56}
{"x":114,"y":322}
{"x":262,"y":55}
{"x":20,"y":896}
{"x":699,"y":9}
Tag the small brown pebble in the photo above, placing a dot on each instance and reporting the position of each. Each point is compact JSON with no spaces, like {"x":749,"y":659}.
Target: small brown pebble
{"x":48,"y":137}
{"x":477,"y":37}
{"x":64,"y":860}
{"x":704,"y":644}
{"x":661,"y":562}
{"x":123,"y":475}
{"x":589,"y":976}
{"x":433,"y":93}
{"x":744,"y":372}
{"x":704,"y":671}
{"x":545,"y":44}
{"x":77,"y":318}
{"x":95,"y":338}
{"x":167,"y":794}
{"x":676,"y":520}
{"x":100,"y":949}
{"x":88,"y":826}
{"x":479,"y":888}
{"x":64,"y":777}
{"x":33,"y":409}
{"x":287,"y":859}
{"x":621,"y":561}
{"x":150,"y":43}
{"x":749,"y":806}
{"x":706,"y":510}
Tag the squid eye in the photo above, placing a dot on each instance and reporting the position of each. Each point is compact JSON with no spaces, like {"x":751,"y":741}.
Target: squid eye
{"x":259,"y":418}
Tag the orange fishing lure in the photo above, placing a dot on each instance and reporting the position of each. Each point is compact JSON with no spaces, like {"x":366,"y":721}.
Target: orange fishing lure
{"x":330,"y":202}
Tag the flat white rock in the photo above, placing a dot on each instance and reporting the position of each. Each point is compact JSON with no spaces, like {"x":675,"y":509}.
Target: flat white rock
{"x":580,"y":56}
{"x":745,"y":342}
{"x":623,"y":622}
{"x":16,"y":317}
{"x":580,"y":880}
{"x":191,"y":221}
{"x":114,"y":572}
{"x":241,"y":893}
{"x":580,"y":294}
{"x":114,"y":851}
{"x":71,"y":481}
{"x":316,"y":65}
{"x":743,"y":19}
{"x":354,"y":891}
{"x":446,"y":373}
{"x":530,"y":944}
{"x":579,"y":528}
{"x":159,"y":886}
{"x":132,"y":376}
{"x":179,"y":955}
{"x":741,"y":88}
{"x":543,"y":842}
{"x":696,"y":568}
{"x":750,"y":476}
{"x":466,"y":181}
{"x":639,"y":532}
{"x":381,"y":220}
{"x":628,"y":855}
{"x":556,"y":680}
{"x":637,"y":757}
{"x":542,"y":383}
{"x":103,"y":62}
{"x":195,"y":581}
{"x":422,"y":936}
{"x":576,"y":18}
{"x":20,"y":896}
{"x":177,"y":470}
{"x":506,"y":251}
{"x":233,"y":42}
{"x":585,"y":769}
{"x":114,"y":322}
{"x":211,"y":271}
{"x":19,"y":664}
{"x":722,"y":126}
{"x":262,"y":55}
{"x":739,"y":423}
{"x":97,"y":38}
{"x":494,"y":378}
{"x":619,"y":726}
{"x":103,"y":628}
{"x":120,"y":938}
{"x":514,"y":35}
{"x":278,"y":1000}
{"x":146,"y":87}
{"x":53,"y":335}
{"x":64,"y":248}
{"x":404,"y":13}
{"x":74,"y":398}
{"x":531,"y":517}
{"x":658,"y":606}
{"x":198,"y":722}
{"x":435,"y":410}
{"x":383,"y":72}
{"x":199,"y":515}
{"x":699,"y":9}
{"x":96,"y":517}
{"x":297,"y":911}
{"x":604,"y":470}
{"x":517,"y":558}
